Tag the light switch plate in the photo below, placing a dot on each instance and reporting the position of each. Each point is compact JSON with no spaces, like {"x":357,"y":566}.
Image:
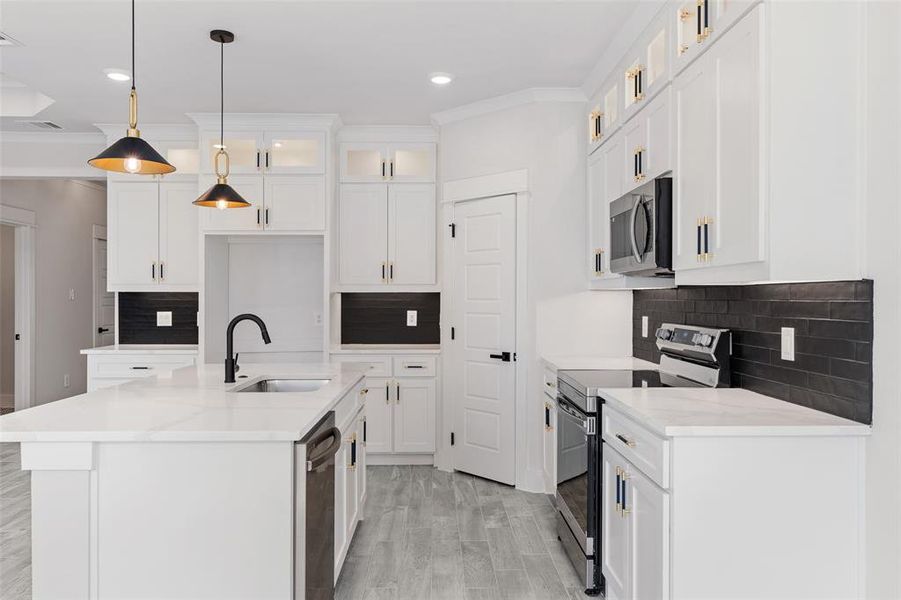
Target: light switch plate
{"x":788,"y":343}
{"x":164,"y":318}
{"x":411,"y":318}
{"x":644,"y":326}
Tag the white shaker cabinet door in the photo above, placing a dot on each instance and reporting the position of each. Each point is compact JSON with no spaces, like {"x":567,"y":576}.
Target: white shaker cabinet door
{"x":235,"y":219}
{"x":647,"y":509}
{"x":295,"y":203}
{"x":615,"y":544}
{"x":179,"y":243}
{"x":414,"y":415}
{"x":363,"y":234}
{"x":379,"y":409}
{"x":695,"y":137}
{"x":614,"y":167}
{"x":133,"y":221}
{"x":411,"y":234}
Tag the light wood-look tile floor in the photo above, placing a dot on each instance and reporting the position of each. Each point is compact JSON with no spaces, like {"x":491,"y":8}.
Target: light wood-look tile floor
{"x":425,"y":534}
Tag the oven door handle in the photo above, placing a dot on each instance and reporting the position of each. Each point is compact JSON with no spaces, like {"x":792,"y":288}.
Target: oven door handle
{"x":635,"y":252}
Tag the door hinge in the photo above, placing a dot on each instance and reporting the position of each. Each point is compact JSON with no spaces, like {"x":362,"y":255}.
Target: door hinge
{"x":453,"y":228}
{"x":453,"y":333}
{"x":452,"y":438}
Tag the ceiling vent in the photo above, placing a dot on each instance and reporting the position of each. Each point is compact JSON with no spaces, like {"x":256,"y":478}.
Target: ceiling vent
{"x":6,"y":40}
{"x":42,"y":124}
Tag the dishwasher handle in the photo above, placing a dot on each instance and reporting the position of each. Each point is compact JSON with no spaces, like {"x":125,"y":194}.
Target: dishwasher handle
{"x":317,"y":459}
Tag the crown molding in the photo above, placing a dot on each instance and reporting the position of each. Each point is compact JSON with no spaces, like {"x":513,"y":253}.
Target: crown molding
{"x":51,"y":137}
{"x":388,"y":133}
{"x":489,"y":105}
{"x":158,"y":132}
{"x":256,"y":121}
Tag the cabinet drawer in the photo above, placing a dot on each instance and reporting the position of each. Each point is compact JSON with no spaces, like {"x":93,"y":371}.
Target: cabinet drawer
{"x":638,"y":445}
{"x":135,"y":366}
{"x":347,"y":408}
{"x":415,"y":366}
{"x":376,"y":366}
{"x":550,"y":383}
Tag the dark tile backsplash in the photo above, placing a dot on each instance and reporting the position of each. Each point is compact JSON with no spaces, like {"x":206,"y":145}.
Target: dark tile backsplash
{"x":833,"y":322}
{"x":381,"y":318}
{"x":137,"y":317}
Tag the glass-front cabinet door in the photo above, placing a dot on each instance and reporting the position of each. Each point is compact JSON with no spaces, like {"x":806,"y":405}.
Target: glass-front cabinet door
{"x":363,"y":162}
{"x":411,"y":162}
{"x":294,"y":152}
{"x":244,"y":152}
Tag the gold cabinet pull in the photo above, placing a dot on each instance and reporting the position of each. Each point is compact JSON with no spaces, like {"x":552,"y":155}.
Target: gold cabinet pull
{"x":625,"y":440}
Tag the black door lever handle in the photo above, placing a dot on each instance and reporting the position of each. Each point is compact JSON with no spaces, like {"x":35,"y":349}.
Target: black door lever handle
{"x":504,"y":356}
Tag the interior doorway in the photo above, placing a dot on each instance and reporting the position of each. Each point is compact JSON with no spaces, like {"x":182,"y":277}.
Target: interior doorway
{"x":17,"y":345}
{"x":483,"y":351}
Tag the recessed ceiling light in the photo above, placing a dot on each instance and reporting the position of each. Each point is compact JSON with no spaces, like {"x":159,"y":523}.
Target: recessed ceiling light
{"x":441,"y":78}
{"x":117,"y":74}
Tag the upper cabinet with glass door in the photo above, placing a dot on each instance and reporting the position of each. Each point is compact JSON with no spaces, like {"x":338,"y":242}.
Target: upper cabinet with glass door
{"x":699,"y":22}
{"x":266,"y":152}
{"x":646,"y":68}
{"x":397,"y":162}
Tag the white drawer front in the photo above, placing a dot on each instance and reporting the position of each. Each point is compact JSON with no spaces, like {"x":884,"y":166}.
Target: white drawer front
{"x":376,"y":366}
{"x":415,"y":366}
{"x":135,"y":366}
{"x":638,"y":445}
{"x":347,"y":407}
{"x":550,"y":383}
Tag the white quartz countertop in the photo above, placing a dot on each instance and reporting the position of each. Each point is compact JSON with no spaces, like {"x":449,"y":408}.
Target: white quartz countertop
{"x":143,"y":349}
{"x":191,"y":404}
{"x":724,"y":412}
{"x":587,"y":361}
{"x":386,"y":349}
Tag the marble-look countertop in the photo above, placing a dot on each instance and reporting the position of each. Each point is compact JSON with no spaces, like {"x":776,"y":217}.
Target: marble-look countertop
{"x":191,"y":404}
{"x":143,"y":349}
{"x":724,"y":412}
{"x":600,"y":363}
{"x":386,"y":349}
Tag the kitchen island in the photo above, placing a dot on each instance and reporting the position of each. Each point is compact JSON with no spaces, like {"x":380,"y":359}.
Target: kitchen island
{"x":175,"y":486}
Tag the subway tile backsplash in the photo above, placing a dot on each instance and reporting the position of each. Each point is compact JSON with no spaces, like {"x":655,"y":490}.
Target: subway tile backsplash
{"x":833,"y":322}
{"x":137,"y":317}
{"x":381,"y":318}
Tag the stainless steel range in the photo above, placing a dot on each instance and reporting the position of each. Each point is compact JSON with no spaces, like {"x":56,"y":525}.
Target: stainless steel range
{"x":690,"y":357}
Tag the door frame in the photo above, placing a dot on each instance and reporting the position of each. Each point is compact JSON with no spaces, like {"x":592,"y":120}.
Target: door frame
{"x":25,"y":224}
{"x":98,"y":233}
{"x":509,"y":183}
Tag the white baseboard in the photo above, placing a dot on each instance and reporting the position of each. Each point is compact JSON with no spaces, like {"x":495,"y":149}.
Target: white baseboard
{"x":7,"y":400}
{"x":400,"y":459}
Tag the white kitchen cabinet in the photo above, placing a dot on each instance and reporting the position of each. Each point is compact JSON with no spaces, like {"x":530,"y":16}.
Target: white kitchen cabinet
{"x":598,"y":219}
{"x":386,"y":235}
{"x":719,"y":212}
{"x":350,"y":472}
{"x":378,"y":415}
{"x":369,"y":162}
{"x":411,"y":234}
{"x":698,"y":23}
{"x":615,"y":546}
{"x":294,"y":203}
{"x":414,"y":415}
{"x":647,"y":141}
{"x":549,"y":441}
{"x":614,"y":156}
{"x":646,"y":67}
{"x":107,"y":369}
{"x":266,"y":151}
{"x":152,"y":229}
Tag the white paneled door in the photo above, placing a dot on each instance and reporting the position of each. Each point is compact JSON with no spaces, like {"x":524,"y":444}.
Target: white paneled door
{"x":104,"y":301}
{"x":484,"y":308}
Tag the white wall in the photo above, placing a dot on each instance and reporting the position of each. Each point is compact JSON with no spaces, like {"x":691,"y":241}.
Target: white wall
{"x":883,"y":264}
{"x":50,"y":154}
{"x":547,"y":139}
{"x":64,"y":211}
{"x":7,"y":313}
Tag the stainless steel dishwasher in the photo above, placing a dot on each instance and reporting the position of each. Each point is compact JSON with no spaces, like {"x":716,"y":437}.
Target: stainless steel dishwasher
{"x":314,"y":511}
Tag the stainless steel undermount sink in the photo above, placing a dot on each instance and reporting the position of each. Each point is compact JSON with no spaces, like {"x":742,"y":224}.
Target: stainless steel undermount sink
{"x":285,"y":385}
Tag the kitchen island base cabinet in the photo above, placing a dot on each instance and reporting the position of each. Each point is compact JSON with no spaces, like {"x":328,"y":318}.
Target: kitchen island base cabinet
{"x":741,"y":516}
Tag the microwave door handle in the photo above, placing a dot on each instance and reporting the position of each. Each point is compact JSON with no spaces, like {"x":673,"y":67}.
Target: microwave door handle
{"x":635,"y":251}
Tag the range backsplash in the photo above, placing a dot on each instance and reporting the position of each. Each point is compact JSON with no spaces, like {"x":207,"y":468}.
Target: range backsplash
{"x":833,"y":321}
{"x":381,"y":318}
{"x":137,"y":317}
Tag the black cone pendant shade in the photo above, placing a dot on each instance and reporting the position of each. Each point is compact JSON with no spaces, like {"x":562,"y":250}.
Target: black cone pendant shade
{"x":222,"y":195}
{"x":131,"y":154}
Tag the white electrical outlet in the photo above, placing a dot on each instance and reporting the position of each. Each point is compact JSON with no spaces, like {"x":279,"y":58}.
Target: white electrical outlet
{"x":411,"y":318}
{"x":66,"y":380}
{"x":788,"y":343}
{"x":644,"y":326}
{"x":164,"y":318}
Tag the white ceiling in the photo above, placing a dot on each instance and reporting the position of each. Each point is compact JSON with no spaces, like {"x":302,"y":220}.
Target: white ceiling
{"x":367,"y":61}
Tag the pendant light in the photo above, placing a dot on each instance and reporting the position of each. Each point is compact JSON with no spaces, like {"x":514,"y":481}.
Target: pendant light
{"x":131,"y":154}
{"x":222,"y":195}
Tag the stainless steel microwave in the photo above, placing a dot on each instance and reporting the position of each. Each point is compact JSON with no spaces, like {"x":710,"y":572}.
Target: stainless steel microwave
{"x":641,"y":230}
